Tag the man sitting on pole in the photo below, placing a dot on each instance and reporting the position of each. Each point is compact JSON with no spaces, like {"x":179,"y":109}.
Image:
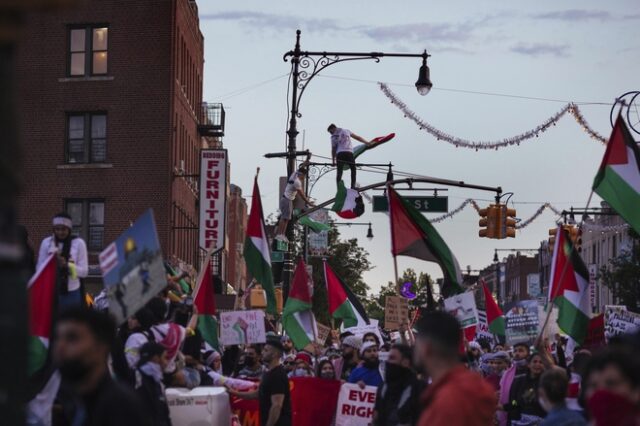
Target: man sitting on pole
{"x":293,"y":188}
{"x":342,"y":151}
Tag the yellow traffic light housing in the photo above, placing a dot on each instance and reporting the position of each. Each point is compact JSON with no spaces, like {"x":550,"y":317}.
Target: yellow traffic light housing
{"x":552,"y":238}
{"x":488,"y":221}
{"x":497,"y":222}
{"x":509,"y":218}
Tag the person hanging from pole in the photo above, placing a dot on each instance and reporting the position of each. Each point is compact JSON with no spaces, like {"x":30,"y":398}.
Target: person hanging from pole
{"x":342,"y":151}
{"x":293,"y":189}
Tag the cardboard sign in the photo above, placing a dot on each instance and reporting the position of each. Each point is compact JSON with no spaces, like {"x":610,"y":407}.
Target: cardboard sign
{"x":213,"y":198}
{"x":463,"y":307}
{"x":242,"y":327}
{"x":132,"y":268}
{"x":396,"y":312}
{"x":323,"y":333}
{"x":618,"y":322}
{"x":361,"y":330}
{"x":355,"y":405}
{"x":201,"y":406}
{"x":522,"y":322}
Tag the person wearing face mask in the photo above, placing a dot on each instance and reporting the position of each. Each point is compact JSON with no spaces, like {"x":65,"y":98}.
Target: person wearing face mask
{"x":326,"y":370}
{"x":371,"y":337}
{"x":497,"y":362}
{"x":88,"y":395}
{"x":149,"y":386}
{"x":554,"y":384}
{"x":611,"y":387}
{"x":303,"y":366}
{"x":368,"y":373}
{"x":524,"y":407}
{"x":518,"y":368}
{"x":398,"y":399}
{"x":71,"y":254}
{"x":350,"y":358}
{"x":252,"y":369}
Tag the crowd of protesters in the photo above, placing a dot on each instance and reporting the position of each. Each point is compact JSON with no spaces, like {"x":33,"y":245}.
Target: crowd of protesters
{"x":102,"y":373}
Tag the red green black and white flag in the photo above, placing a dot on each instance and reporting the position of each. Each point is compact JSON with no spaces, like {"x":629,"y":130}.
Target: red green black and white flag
{"x":297,"y":318}
{"x":42,"y":302}
{"x":495,"y":317}
{"x":618,"y":179}
{"x":256,"y":249}
{"x":413,"y":235}
{"x":348,"y":203}
{"x":569,"y":288}
{"x":205,"y":302}
{"x":343,"y":304}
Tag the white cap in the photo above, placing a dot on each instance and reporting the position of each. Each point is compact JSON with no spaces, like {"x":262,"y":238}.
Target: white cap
{"x":365,"y":346}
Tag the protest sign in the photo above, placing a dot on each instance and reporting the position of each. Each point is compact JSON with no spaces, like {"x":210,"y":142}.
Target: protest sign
{"x":201,"y":406}
{"x":247,"y":410}
{"x":323,"y":333}
{"x":361,"y":330}
{"x":618,"y":322}
{"x":242,"y":327}
{"x":313,"y":400}
{"x":318,"y":242}
{"x":355,"y":405}
{"x":482,"y":331}
{"x":132,"y":268}
{"x":463,"y":307}
{"x":522,"y":322}
{"x":396,"y":312}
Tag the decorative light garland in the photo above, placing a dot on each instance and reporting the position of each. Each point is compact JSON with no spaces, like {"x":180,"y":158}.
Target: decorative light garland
{"x":570,"y":108}
{"x":593,"y":227}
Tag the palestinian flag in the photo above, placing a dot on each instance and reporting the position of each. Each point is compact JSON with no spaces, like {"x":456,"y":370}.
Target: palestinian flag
{"x":312,"y":224}
{"x":205,"y":303}
{"x":348,"y":203}
{"x":376,"y":142}
{"x":297,"y":318}
{"x":569,"y":288}
{"x":42,"y":301}
{"x":412,"y":235}
{"x":184,"y":285}
{"x":256,"y":249}
{"x":495,"y":317}
{"x":618,"y":180}
{"x":343,"y":304}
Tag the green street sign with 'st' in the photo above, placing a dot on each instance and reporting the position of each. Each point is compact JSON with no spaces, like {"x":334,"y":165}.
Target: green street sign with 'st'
{"x":423,"y":204}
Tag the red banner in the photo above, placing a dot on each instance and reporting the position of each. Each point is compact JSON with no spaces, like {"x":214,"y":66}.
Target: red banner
{"x":247,"y":410}
{"x":595,"y":333}
{"x":313,"y":400}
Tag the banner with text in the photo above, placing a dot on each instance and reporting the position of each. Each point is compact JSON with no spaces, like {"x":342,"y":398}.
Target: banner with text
{"x":522,"y":322}
{"x":355,"y":405}
{"x":213,"y":198}
{"x":242,"y":327}
{"x":396,"y":312}
{"x":619,"y":321}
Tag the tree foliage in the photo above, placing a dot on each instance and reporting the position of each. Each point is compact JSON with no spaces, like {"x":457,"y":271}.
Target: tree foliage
{"x":622,"y":275}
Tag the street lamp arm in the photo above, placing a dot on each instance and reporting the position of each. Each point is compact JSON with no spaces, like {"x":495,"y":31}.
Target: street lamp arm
{"x":445,"y":182}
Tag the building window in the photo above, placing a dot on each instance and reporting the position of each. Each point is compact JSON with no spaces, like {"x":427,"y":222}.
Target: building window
{"x":88,"y":50}
{"x":87,"y":217}
{"x":86,"y":138}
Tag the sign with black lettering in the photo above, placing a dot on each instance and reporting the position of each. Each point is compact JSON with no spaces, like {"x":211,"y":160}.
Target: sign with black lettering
{"x":422,"y":204}
{"x":355,"y":405}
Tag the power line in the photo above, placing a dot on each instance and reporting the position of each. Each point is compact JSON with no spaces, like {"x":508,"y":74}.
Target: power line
{"x":246,"y":89}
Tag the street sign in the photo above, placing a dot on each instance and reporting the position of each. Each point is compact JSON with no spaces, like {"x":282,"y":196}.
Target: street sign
{"x":423,"y":204}
{"x":277,"y":256}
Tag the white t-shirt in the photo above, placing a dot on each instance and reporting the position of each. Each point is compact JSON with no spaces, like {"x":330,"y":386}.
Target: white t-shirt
{"x":293,"y":185}
{"x":77,"y":254}
{"x":341,"y":141}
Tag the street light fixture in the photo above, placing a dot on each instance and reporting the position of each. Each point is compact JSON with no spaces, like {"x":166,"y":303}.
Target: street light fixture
{"x":370,"y":232}
{"x":424,"y":84}
{"x":349,"y":224}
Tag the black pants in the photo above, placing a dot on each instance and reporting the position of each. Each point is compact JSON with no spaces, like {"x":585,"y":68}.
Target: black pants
{"x":346,"y":159}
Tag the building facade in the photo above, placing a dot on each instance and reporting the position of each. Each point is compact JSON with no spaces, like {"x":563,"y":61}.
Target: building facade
{"x":110,"y":102}
{"x":518,"y":269}
{"x":237,"y":228}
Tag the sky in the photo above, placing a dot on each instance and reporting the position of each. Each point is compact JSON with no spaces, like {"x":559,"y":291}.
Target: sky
{"x":579,"y":51}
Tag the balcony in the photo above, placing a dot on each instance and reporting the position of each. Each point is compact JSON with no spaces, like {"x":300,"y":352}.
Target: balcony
{"x":211,"y":122}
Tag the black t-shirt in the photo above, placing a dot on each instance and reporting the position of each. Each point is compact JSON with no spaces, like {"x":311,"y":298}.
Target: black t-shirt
{"x":275,"y":382}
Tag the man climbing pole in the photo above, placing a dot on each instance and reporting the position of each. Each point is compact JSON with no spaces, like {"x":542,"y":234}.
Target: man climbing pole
{"x":293,"y":189}
{"x":342,"y":151}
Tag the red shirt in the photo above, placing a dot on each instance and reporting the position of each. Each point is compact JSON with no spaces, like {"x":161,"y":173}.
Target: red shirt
{"x":460,"y":398}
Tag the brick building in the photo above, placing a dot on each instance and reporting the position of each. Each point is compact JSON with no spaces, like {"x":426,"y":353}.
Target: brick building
{"x":110,"y":116}
{"x":517,"y":269}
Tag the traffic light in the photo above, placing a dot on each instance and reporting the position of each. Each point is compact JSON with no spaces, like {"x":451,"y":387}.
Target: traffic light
{"x":488,"y":222}
{"x":578,"y":243}
{"x":508,"y":222}
{"x":575,"y":235}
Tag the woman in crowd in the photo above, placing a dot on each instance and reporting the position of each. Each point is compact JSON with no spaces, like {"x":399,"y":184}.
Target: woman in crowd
{"x":325,"y":370}
{"x":524,"y":407}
